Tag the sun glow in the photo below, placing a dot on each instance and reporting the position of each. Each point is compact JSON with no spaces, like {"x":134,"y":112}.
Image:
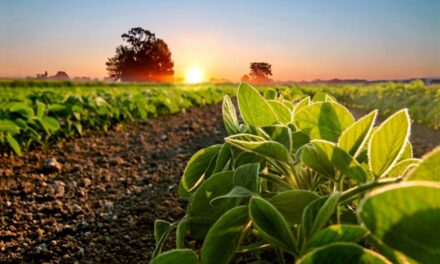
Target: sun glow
{"x":194,"y":75}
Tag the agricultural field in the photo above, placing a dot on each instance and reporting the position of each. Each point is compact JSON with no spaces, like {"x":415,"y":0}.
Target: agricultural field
{"x":217,"y":132}
{"x":131,"y":173}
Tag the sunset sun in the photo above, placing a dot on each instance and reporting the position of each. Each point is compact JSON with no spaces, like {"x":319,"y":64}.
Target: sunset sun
{"x":194,"y":75}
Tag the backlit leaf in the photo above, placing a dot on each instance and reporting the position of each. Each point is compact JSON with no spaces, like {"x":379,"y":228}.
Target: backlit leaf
{"x":254,"y":108}
{"x":324,"y":120}
{"x":405,"y":216}
{"x":388,"y":142}
{"x":355,"y":136}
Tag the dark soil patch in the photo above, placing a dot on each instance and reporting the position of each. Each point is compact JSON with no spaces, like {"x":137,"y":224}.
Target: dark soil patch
{"x":98,"y":205}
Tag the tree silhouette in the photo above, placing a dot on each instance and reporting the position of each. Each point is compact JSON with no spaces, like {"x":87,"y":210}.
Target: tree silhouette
{"x":145,"y":58}
{"x":260,"y":72}
{"x":245,"y":78}
{"x":60,"y":75}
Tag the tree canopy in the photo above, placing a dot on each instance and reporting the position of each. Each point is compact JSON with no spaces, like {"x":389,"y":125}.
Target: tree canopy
{"x":260,"y":72}
{"x":145,"y":58}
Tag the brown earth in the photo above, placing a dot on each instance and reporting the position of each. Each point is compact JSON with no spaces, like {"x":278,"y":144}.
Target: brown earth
{"x":94,"y":199}
{"x":100,"y":204}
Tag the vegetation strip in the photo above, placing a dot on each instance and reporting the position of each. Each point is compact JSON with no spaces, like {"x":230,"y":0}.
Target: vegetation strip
{"x":34,"y":115}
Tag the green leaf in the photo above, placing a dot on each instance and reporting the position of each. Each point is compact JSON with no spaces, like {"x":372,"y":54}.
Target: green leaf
{"x":300,"y":105}
{"x":247,"y":176}
{"x":258,"y":145}
{"x":247,"y":157}
{"x":342,"y":253}
{"x":429,"y":169}
{"x":9,"y":126}
{"x":50,"y":124}
{"x":271,"y":224}
{"x":317,"y":214}
{"x":281,"y":134}
{"x":407,"y":152}
{"x":161,"y":230}
{"x":197,"y":166}
{"x":299,"y":139}
{"x":387,"y":143}
{"x":254,"y":108}
{"x":223,"y":239}
{"x":181,"y":231}
{"x":291,"y":204}
{"x":355,"y":136}
{"x":40,"y":109}
{"x":270,"y":94}
{"x":22,"y":109}
{"x":230,"y":116}
{"x":402,"y":167}
{"x":200,"y":204}
{"x":320,"y":97}
{"x":281,"y":111}
{"x":13,"y":144}
{"x":324,"y":120}
{"x":336,"y":233}
{"x":223,"y":158}
{"x":405,"y":217}
{"x":317,"y":160}
{"x":340,"y":160}
{"x":186,"y":256}
{"x":236,"y":192}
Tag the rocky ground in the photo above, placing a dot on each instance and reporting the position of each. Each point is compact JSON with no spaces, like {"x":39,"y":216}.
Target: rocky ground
{"x":94,"y":199}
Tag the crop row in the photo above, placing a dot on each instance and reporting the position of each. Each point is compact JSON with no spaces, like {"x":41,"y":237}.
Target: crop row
{"x":40,"y":114}
{"x":422,"y":101}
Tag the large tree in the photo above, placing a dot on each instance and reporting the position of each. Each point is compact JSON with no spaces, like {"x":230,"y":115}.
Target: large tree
{"x":260,"y":72}
{"x":145,"y":58}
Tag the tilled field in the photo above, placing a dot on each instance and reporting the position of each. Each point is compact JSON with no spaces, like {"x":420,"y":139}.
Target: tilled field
{"x":95,"y":199}
{"x":97,"y":203}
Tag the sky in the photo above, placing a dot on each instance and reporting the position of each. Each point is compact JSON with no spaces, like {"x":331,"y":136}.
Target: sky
{"x":303,"y":40}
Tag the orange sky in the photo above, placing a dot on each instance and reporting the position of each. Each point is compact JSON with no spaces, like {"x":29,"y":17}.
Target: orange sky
{"x":302,"y":40}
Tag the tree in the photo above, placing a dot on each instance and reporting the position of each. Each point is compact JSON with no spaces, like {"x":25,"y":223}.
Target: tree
{"x":245,"y":78}
{"x":60,"y":75}
{"x":144,"y":59}
{"x":260,"y":72}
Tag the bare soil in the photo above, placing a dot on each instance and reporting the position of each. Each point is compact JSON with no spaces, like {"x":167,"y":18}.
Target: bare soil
{"x":98,"y":202}
{"x":94,"y":199}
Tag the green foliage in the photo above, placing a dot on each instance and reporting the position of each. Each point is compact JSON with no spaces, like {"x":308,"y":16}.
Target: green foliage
{"x":405,"y":217}
{"x":388,"y":142}
{"x":289,"y":187}
{"x":342,"y":253}
{"x":422,"y":101}
{"x":323,"y":120}
{"x":186,"y":256}
{"x":254,"y":109}
{"x":230,"y":227}
{"x":35,"y":113}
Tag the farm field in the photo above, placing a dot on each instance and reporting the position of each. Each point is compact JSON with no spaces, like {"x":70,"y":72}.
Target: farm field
{"x":219,"y":132}
{"x":95,"y":197}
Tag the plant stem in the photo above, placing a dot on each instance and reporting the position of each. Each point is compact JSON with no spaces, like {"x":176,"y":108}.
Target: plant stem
{"x":280,"y":256}
{"x":276,"y":179}
{"x":348,"y":194}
